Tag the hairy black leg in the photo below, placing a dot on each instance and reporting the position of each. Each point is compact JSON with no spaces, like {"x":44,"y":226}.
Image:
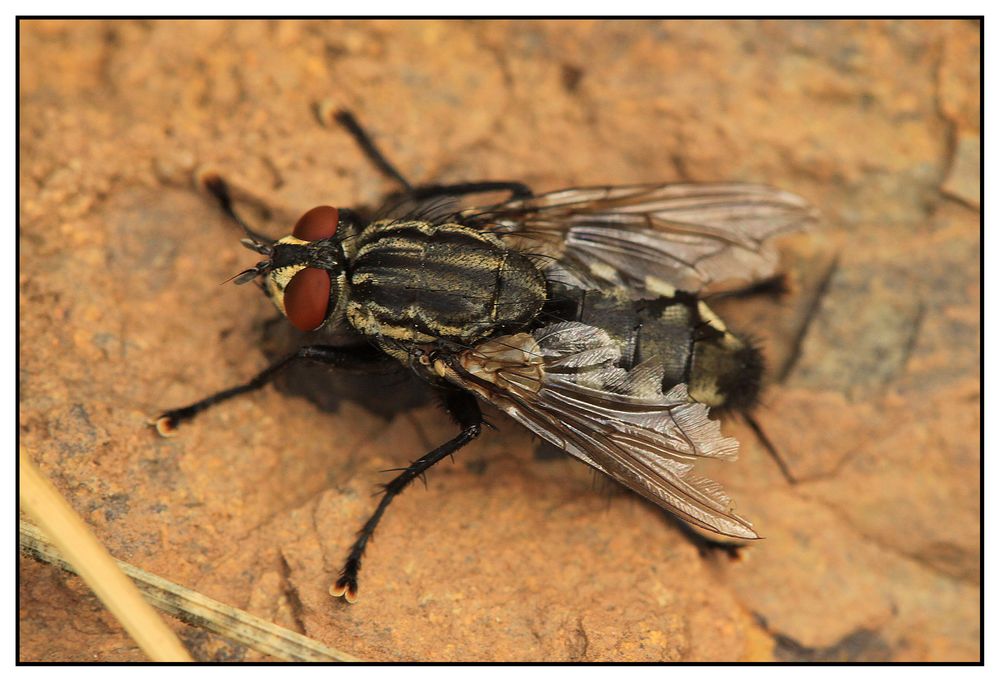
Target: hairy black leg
{"x":518,"y":190}
{"x":339,"y":357}
{"x":774,"y":286}
{"x":363,"y":139}
{"x":464,"y":408}
{"x":786,"y":472}
{"x":346,"y":119}
{"x":220,"y":190}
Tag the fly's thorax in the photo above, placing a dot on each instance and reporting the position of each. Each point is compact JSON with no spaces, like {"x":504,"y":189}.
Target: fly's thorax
{"x":418,"y":282}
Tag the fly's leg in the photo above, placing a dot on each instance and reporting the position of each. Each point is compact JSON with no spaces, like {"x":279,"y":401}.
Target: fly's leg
{"x":364,"y":141}
{"x":462,"y":406}
{"x":783,"y":467}
{"x":518,"y":190}
{"x":338,"y":357}
{"x":775,"y":286}
{"x":218,"y":188}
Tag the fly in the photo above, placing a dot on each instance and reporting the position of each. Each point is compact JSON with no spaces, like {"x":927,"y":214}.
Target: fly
{"x":580,"y":313}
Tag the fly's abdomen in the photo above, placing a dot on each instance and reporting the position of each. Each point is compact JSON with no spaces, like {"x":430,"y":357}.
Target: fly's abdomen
{"x":660,"y":328}
{"x":415,"y":281}
{"x":720,"y":368}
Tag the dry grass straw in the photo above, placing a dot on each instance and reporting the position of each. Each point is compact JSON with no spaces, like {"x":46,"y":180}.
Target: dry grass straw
{"x":91,"y":561}
{"x":65,"y":541}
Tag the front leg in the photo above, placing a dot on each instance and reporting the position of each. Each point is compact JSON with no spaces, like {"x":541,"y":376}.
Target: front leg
{"x":338,"y":357}
{"x":463,"y":407}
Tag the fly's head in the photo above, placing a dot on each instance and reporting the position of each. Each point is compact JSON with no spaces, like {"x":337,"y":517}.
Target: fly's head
{"x":305,"y":273}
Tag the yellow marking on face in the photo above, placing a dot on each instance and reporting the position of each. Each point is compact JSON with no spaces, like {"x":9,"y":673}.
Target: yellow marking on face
{"x":275,"y":284}
{"x":276,"y":280}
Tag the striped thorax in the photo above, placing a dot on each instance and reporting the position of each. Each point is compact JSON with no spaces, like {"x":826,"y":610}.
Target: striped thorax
{"x":414,"y":281}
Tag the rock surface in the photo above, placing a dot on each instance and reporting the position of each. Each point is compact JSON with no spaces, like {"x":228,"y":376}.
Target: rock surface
{"x":873,"y":553}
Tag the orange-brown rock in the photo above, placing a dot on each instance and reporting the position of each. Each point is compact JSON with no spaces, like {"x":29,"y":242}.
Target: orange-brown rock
{"x":872,"y":554}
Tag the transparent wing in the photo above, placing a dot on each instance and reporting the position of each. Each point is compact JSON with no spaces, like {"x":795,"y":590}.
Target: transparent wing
{"x":563,"y":383}
{"x":651,"y":239}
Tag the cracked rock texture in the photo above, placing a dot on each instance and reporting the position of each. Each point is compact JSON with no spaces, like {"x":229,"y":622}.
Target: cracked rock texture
{"x":872,"y":553}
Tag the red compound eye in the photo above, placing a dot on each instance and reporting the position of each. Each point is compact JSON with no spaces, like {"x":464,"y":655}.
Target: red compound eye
{"x":317,"y":223}
{"x":307,"y":298}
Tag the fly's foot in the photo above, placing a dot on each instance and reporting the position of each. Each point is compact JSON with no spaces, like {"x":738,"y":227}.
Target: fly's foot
{"x":167,"y":422}
{"x":347,"y":584}
{"x":165,"y":425}
{"x":346,"y":587}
